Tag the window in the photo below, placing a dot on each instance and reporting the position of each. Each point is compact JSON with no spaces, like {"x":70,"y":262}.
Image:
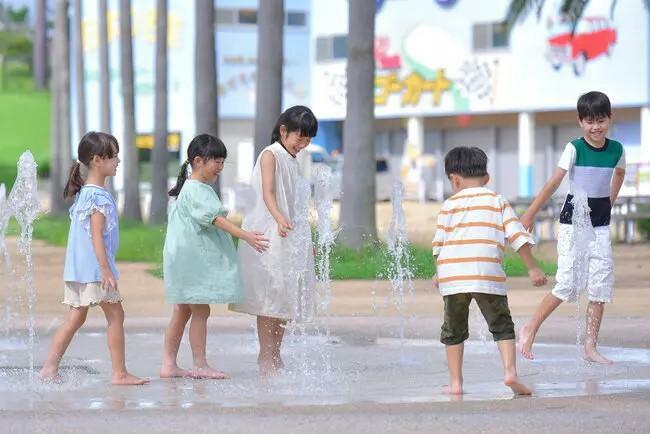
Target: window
{"x":247,"y":16}
{"x":331,"y":47}
{"x":488,"y":36}
{"x":296,"y":19}
{"x":226,"y":16}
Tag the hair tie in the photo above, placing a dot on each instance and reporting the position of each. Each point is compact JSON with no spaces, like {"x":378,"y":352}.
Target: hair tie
{"x":79,"y":162}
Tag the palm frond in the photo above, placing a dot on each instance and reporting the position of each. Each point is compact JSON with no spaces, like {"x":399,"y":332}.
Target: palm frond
{"x":573,"y":9}
{"x":519,"y":10}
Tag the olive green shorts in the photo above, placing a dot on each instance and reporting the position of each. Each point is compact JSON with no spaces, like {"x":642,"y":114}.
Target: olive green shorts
{"x":493,"y":307}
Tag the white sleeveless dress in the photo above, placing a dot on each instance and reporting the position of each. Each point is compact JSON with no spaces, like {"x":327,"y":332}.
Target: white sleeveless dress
{"x":281,"y":281}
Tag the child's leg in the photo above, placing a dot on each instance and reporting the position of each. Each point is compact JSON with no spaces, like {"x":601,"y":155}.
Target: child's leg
{"x":509,"y":360}
{"x":528,"y":332}
{"x":270,"y":332}
{"x":61,"y":341}
{"x":198,"y":337}
{"x":115,"y":334}
{"x":601,"y":290}
{"x":595,"y":312}
{"x":173,"y":335}
{"x":455,"y":367}
{"x":453,"y":333}
{"x":496,"y":312}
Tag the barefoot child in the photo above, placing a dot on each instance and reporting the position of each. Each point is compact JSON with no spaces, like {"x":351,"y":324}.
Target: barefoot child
{"x":90,"y":276}
{"x":199,"y":258}
{"x":473,"y":227}
{"x":596,"y":165}
{"x":266,"y":282}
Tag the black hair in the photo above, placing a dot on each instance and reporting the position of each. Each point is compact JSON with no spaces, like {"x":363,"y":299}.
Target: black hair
{"x":594,"y":105}
{"x":91,"y":144}
{"x":205,"y":146}
{"x":297,"y":118}
{"x":468,"y":162}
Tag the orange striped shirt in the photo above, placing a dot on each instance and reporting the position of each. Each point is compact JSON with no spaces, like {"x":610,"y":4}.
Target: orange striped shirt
{"x":473,"y":228}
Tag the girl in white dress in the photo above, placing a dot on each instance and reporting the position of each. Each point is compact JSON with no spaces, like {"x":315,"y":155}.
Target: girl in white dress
{"x":271,"y":282}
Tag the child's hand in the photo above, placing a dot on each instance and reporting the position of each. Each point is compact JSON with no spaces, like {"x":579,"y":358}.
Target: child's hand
{"x":527,"y":220}
{"x":109,"y":283}
{"x":284,"y":226}
{"x":257,"y":241}
{"x":537,"y":276}
{"x":435,"y":280}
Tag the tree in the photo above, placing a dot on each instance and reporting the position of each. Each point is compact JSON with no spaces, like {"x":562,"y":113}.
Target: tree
{"x":159,"y":154}
{"x":206,"y":111}
{"x":358,"y":220}
{"x":131,"y":165}
{"x":104,"y":76}
{"x":268,"y":100}
{"x":79,"y":69}
{"x":39,"y":55}
{"x":60,"y":136}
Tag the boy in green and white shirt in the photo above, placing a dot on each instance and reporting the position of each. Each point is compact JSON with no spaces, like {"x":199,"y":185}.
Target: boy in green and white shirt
{"x":596,"y":166}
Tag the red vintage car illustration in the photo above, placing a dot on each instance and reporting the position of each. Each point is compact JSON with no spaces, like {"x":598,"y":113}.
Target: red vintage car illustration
{"x":593,"y":37}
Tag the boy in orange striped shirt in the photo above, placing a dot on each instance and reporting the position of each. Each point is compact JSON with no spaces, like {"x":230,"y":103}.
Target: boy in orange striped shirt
{"x":473,"y":228}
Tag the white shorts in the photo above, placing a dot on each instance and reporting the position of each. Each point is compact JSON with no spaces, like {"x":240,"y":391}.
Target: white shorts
{"x":77,"y":294}
{"x":600,"y":266}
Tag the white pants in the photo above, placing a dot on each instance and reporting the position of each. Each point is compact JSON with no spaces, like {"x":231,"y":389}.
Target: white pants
{"x":600,"y":264}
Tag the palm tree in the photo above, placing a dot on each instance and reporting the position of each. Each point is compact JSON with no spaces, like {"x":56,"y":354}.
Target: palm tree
{"x":205,"y":72}
{"x":40,"y":45}
{"x":268,"y":101}
{"x":104,"y":69}
{"x":131,"y":166}
{"x":573,"y":9}
{"x":79,"y":70}
{"x":56,"y":165}
{"x":159,"y":154}
{"x":358,"y":221}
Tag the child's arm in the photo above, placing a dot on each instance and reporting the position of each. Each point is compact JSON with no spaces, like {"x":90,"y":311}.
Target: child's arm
{"x":437,"y":243}
{"x":617,"y":183}
{"x":268,"y":193}
{"x":534,"y":272}
{"x":528,"y":218}
{"x":97,"y":222}
{"x":255,"y":239}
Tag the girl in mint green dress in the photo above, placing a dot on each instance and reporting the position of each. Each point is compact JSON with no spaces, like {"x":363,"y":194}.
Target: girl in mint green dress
{"x":200,"y":262}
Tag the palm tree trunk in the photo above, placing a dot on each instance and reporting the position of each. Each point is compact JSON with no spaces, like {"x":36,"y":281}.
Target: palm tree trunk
{"x":57,"y":205}
{"x":62,"y":85}
{"x":104,"y":77}
{"x":159,"y":154}
{"x":358,"y":220}
{"x":268,"y":101}
{"x":79,"y":70}
{"x":40,"y":45}
{"x":206,"y":111}
{"x":131,"y":165}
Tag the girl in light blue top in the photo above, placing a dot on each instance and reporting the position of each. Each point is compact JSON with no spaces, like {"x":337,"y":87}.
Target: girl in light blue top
{"x":90,"y":276}
{"x":200,"y":262}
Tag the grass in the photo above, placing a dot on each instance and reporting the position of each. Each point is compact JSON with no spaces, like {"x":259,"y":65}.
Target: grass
{"x":142,"y":243}
{"x":24,"y":124}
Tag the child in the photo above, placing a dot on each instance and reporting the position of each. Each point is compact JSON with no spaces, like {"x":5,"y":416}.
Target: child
{"x":90,"y":276}
{"x":199,"y":258}
{"x":266,"y":284}
{"x":591,"y":161}
{"x":473,"y":228}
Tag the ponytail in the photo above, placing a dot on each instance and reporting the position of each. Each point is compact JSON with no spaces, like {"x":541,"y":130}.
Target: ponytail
{"x":182,"y":176}
{"x":75,"y":181}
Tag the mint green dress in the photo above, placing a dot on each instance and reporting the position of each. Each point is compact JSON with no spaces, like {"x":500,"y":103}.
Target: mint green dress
{"x":200,"y":263}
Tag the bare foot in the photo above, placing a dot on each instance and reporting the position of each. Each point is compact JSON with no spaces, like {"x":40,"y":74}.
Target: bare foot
{"x":594,"y":356}
{"x":454,"y":389}
{"x":268,"y":368}
{"x":208,"y":373}
{"x":50,"y":376}
{"x":278,"y":363}
{"x":127,"y":379}
{"x":518,"y":388}
{"x":174,"y":372}
{"x":526,"y":339}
